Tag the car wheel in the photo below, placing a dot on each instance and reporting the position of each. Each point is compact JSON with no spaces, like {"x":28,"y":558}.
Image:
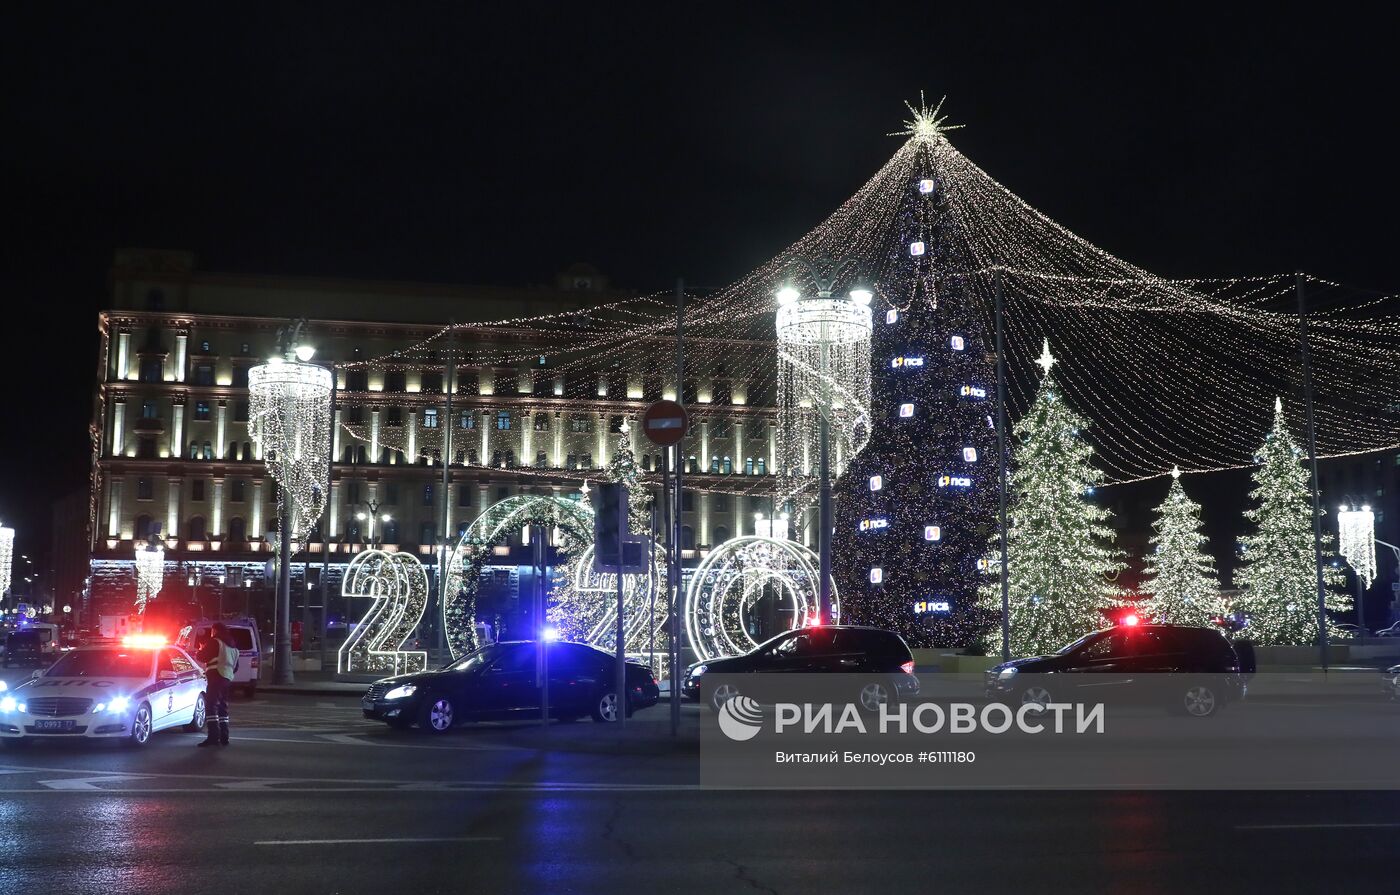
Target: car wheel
{"x":140,"y":726}
{"x":437,"y":714}
{"x":605,"y":707}
{"x":1200,"y":700}
{"x":197,"y":720}
{"x":723,"y":693}
{"x":875,"y":694}
{"x":1036,"y":694}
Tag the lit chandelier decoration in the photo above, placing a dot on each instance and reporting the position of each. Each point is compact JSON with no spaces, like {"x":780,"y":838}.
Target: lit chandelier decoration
{"x":398,"y":585}
{"x":150,"y":570}
{"x":823,"y":370}
{"x":734,"y":577}
{"x":7,"y":555}
{"x":289,"y":416}
{"x":1356,"y":541}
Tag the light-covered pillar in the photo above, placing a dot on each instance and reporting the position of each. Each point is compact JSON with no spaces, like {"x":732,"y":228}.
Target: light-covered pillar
{"x":177,"y":429}
{"x":412,"y":452}
{"x":172,"y":506}
{"x":123,"y":370}
{"x":114,"y":507}
{"x":118,"y":426}
{"x":181,"y":353}
{"x":374,"y":436}
{"x":216,"y":510}
{"x":257,"y":528}
{"x":220,"y":427}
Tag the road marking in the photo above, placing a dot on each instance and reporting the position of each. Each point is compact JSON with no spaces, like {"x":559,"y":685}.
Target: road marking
{"x":378,"y":841}
{"x":86,"y":784}
{"x":1376,"y":825}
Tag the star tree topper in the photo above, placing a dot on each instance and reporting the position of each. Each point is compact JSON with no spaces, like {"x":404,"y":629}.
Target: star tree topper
{"x":1046,"y":359}
{"x":926,"y":125}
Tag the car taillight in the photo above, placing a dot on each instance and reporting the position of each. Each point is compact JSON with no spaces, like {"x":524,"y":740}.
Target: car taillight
{"x":907,"y":667}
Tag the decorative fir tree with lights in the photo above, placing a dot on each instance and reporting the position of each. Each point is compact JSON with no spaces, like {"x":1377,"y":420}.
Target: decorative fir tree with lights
{"x":1278,"y":574}
{"x":915,"y":508}
{"x":1180,"y":573}
{"x":1058,"y":540}
{"x":622,"y":469}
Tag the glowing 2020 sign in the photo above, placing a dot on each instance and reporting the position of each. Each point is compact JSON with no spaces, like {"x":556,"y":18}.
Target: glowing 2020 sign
{"x":399,"y":587}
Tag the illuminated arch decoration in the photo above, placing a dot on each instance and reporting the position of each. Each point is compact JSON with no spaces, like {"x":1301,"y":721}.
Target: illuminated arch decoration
{"x":398,"y":585}
{"x":571,"y":524}
{"x":642,"y":618}
{"x":733,"y":577}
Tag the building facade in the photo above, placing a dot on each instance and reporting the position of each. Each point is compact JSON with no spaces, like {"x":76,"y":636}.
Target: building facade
{"x":173,"y":457}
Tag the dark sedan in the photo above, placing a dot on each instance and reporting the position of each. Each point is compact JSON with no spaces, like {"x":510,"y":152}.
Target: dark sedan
{"x":499,"y":682}
{"x":838,"y":649}
{"x":1191,"y":670}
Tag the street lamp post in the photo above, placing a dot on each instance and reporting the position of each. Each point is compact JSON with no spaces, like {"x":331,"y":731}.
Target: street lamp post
{"x":810,"y":330}
{"x":373,"y":515}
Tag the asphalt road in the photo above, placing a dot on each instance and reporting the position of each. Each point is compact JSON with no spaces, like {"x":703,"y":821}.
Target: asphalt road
{"x":310,"y":798}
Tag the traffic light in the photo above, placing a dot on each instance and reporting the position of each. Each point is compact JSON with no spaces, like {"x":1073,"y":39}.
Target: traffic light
{"x":609,"y":525}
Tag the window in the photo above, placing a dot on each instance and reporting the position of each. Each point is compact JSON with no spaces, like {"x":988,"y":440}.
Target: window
{"x":503,"y":419}
{"x":541,"y":460}
{"x":144,"y":489}
{"x":762,"y":466}
{"x":427,"y":495}
{"x":395,"y":381}
{"x":201,"y":410}
{"x":237,"y":491}
{"x":427,"y":534}
{"x":389,"y":534}
{"x":245,"y":349}
{"x":150,"y":410}
{"x":208,"y":451}
{"x":237,"y":530}
{"x":541,"y":422}
{"x":720,"y":429}
{"x":352,"y":492}
{"x":579,"y":423}
{"x":726,"y":466}
{"x":197,"y":489}
{"x":430,"y":418}
{"x":143,"y":528}
{"x":204,"y":346}
{"x":687,"y":538}
{"x":357,"y":380}
{"x":714,"y":464}
{"x":615,"y":424}
{"x":248,"y":451}
{"x":464,"y":495}
{"x":687,"y":501}
{"x":432,"y":383}
{"x":721,"y":535}
{"x":151,"y":369}
{"x":145,"y":448}
{"x":240,"y":375}
{"x":721,"y":503}
{"x":391,"y":493}
{"x":240,"y":411}
{"x":468,"y":419}
{"x":194,"y":529}
{"x":203,"y":374}
{"x":155,"y":300}
{"x":748,"y":466}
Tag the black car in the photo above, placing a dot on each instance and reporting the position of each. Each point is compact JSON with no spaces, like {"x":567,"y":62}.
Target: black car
{"x":498,"y":682}
{"x":29,"y":648}
{"x":1191,"y":670}
{"x":841,"y":649}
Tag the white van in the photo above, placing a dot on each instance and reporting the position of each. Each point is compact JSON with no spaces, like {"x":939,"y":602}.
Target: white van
{"x":244,"y":633}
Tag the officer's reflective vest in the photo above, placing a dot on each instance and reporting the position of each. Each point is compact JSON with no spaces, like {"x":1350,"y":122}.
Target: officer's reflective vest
{"x":224,"y":661}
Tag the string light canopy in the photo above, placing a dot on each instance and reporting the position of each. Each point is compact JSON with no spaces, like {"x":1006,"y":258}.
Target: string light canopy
{"x":7,"y":557}
{"x":289,"y":416}
{"x":1174,"y":372}
{"x":150,"y":571}
{"x":1356,"y":541}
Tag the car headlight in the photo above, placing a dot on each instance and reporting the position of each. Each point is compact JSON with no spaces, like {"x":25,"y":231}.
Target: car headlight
{"x":117,"y":705}
{"x":403,"y":692}
{"x":4,"y":686}
{"x":1006,"y":674}
{"x":698,"y":670}
{"x":8,"y":704}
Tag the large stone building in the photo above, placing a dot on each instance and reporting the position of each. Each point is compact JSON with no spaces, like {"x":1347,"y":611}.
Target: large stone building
{"x":172,"y":452}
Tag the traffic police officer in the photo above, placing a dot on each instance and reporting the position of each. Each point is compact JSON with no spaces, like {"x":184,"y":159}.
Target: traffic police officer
{"x":220,"y":661}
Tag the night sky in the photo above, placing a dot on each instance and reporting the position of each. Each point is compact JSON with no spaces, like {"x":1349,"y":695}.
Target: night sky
{"x":451,"y":145}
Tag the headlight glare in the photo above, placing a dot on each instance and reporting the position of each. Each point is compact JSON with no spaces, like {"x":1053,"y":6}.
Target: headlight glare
{"x":118,"y":704}
{"x":8,"y":704}
{"x":402,"y":692}
{"x":698,"y":670}
{"x":1006,"y":674}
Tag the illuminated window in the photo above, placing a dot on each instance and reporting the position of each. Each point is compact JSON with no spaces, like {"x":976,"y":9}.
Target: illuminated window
{"x":430,"y":418}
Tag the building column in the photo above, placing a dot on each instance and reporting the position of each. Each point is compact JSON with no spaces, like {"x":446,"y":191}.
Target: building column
{"x":527,"y":439}
{"x":412,"y":452}
{"x":256,"y":530}
{"x":220,"y":427}
{"x":114,"y":507}
{"x":123,"y":370}
{"x":181,"y":352}
{"x":601,"y":454}
{"x":704,"y":532}
{"x":739,"y":516}
{"x":558,"y":440}
{"x":374,"y":436}
{"x":216,"y":510}
{"x":772,"y":448}
{"x":335,"y":437}
{"x":483,"y":496}
{"x":486,"y":437}
{"x":704,"y":446}
{"x":739,"y":456}
{"x":177,"y":429}
{"x":172,"y":507}
{"x":118,"y":426}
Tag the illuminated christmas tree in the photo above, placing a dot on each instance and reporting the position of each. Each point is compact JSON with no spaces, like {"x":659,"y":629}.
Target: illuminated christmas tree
{"x":915,"y":508}
{"x":1058,"y":539}
{"x":1180,"y":573}
{"x":1278,"y":576}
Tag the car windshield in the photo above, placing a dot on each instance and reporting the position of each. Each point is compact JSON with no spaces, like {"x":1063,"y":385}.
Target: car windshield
{"x":102,"y":663}
{"x":475,"y":659}
{"x":1081,"y":642}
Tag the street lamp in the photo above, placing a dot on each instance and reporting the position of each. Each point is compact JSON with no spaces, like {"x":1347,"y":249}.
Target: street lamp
{"x":823,"y":381}
{"x":1356,"y":541}
{"x":372,"y":516}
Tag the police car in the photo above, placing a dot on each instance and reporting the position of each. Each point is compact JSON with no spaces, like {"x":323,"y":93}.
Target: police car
{"x":124,"y":691}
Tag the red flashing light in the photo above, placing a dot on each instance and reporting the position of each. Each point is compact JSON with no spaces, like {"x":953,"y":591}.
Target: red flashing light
{"x":144,"y":641}
{"x":1130,"y":620}
{"x":814,"y":621}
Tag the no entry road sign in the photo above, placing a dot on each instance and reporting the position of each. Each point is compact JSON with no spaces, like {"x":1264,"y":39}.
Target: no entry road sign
{"x":665,"y":423}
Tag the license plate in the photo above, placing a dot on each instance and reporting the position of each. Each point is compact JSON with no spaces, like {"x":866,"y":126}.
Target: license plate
{"x":53,"y":725}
